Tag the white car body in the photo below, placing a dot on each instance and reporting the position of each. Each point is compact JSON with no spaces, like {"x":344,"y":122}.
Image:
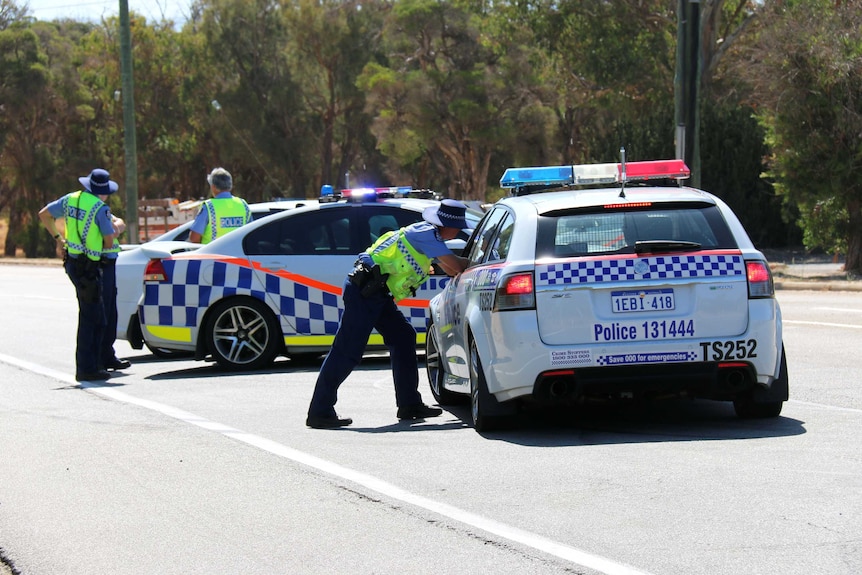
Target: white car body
{"x":594,"y":319}
{"x":134,"y":258}
{"x":273,"y":287}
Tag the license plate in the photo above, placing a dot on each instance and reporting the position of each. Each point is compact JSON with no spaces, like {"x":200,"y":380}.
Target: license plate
{"x":633,"y":301}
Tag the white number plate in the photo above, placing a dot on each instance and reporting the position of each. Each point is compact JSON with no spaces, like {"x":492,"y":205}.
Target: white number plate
{"x":642,"y":300}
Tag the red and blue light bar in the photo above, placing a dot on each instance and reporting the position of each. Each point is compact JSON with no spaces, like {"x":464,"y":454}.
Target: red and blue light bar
{"x":591,"y":174}
{"x":358,"y":195}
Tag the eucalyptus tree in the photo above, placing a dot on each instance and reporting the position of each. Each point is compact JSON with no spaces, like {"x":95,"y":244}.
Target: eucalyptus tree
{"x":330,"y":43}
{"x":266,"y":127}
{"x":448,"y":95}
{"x":173,"y":83}
{"x":806,"y":73}
{"x":44,"y":112}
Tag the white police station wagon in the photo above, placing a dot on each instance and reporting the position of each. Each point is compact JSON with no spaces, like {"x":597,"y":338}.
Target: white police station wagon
{"x":608,"y":293}
{"x":273,"y":287}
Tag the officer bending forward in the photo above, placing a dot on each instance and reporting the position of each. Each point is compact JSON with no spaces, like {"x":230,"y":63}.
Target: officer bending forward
{"x":389,"y":271}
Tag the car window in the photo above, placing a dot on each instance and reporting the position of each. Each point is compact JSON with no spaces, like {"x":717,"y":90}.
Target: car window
{"x":484,"y":236}
{"x":381,"y":219}
{"x":312,"y":233}
{"x":578,"y":234}
{"x":503,"y":240}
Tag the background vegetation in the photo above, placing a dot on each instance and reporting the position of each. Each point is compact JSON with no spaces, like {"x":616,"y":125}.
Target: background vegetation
{"x":445,"y":94}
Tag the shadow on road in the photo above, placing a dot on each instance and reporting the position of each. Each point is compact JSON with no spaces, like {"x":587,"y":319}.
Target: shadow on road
{"x":664,"y":421}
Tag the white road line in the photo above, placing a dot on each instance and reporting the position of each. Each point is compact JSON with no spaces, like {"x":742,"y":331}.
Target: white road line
{"x":824,"y":406}
{"x":821,"y":323}
{"x":554,"y":548}
{"x":840,"y":309}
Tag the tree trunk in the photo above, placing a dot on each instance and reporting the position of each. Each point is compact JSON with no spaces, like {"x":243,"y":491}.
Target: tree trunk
{"x":11,"y":245}
{"x":853,"y":262}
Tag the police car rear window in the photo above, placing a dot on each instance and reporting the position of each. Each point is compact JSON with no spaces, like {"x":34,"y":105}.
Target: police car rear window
{"x":579,"y":233}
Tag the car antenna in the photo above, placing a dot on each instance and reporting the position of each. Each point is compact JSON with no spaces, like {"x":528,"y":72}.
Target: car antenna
{"x":623,"y":172}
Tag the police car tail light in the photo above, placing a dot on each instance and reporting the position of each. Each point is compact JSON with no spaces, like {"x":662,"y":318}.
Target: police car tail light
{"x":155,"y":272}
{"x":759,"y":279}
{"x":516,"y":292}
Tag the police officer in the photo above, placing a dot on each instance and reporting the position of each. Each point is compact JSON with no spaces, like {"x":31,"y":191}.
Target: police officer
{"x":220,"y":214}
{"x":390,"y":270}
{"x":89,"y":232}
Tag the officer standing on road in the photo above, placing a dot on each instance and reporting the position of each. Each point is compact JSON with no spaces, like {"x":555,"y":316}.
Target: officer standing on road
{"x":89,"y":232}
{"x":220,"y":214}
{"x":389,"y":271}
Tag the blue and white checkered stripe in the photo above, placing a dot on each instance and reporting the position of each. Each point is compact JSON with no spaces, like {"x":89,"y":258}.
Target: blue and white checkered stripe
{"x":302,"y":310}
{"x":636,"y":269}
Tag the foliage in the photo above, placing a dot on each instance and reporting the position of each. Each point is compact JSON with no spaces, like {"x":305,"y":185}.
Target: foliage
{"x":806,"y":69}
{"x":445,"y":94}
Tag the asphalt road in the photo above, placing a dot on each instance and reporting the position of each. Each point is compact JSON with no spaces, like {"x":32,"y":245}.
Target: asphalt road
{"x":176,"y":467}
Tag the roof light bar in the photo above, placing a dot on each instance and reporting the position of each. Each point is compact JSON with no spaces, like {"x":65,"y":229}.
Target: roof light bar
{"x":357,"y":195}
{"x":589,"y":174}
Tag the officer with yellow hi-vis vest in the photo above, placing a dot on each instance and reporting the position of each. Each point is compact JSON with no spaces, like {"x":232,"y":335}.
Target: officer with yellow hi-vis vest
{"x":220,"y":214}
{"x":390,"y":270}
{"x":89,"y":233}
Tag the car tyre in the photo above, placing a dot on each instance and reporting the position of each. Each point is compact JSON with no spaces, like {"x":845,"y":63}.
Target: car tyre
{"x":487,"y":413}
{"x":243,"y":333}
{"x":436,"y":373}
{"x":747,"y":407}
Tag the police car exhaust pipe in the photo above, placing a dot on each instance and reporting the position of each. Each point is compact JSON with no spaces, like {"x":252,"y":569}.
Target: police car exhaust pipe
{"x":558,"y":388}
{"x":734,"y":379}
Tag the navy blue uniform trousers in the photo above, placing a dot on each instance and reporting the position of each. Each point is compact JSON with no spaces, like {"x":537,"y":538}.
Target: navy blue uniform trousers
{"x":109,"y":299}
{"x":362,"y":315}
{"x":91,"y":317}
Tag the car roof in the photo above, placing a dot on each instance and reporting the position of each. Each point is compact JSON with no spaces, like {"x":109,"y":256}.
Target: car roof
{"x":412,"y":204}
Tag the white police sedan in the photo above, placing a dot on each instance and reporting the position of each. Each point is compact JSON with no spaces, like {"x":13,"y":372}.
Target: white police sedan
{"x":273,"y":287}
{"x":133,"y":260}
{"x":619,"y":291}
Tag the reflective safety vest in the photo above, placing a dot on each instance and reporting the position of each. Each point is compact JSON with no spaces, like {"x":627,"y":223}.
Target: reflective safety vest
{"x":224,"y":215}
{"x":407,"y":268}
{"x":83,"y":235}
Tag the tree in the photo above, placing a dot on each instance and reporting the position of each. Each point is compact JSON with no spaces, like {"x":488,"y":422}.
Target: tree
{"x":449,"y":93}
{"x":806,"y":73}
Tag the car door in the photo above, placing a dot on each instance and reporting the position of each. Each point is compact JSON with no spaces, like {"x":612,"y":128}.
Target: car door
{"x":468,"y":295}
{"x":302,"y":259}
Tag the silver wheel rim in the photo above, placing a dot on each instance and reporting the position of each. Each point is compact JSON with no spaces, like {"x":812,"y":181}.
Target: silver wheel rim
{"x":474,"y":383}
{"x":240,"y":334}
{"x":432,"y":360}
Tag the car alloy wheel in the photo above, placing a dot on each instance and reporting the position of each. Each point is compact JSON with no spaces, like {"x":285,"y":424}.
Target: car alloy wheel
{"x":435,"y":371}
{"x":243,"y":334}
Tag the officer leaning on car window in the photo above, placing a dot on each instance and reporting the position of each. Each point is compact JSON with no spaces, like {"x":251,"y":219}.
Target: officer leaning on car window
{"x":220,"y":214}
{"x":391,"y":269}
{"x":89,"y":236}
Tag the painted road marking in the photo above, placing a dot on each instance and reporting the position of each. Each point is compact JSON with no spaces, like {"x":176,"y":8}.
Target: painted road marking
{"x":549,"y":546}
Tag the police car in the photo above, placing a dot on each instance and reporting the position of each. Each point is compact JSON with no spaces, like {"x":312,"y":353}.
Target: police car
{"x":592,"y":283}
{"x":273,"y":287}
{"x":133,"y":260}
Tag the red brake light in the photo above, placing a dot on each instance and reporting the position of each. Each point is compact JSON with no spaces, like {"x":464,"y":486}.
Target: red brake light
{"x":759,"y":279}
{"x":516,"y":292}
{"x":155,"y":272}
{"x":629,"y":205}
{"x":518,"y":285}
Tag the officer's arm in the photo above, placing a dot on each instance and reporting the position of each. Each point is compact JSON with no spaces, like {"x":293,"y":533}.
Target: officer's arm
{"x":108,"y":241}
{"x":48,"y":221}
{"x":452,"y":264}
{"x":194,"y":237}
